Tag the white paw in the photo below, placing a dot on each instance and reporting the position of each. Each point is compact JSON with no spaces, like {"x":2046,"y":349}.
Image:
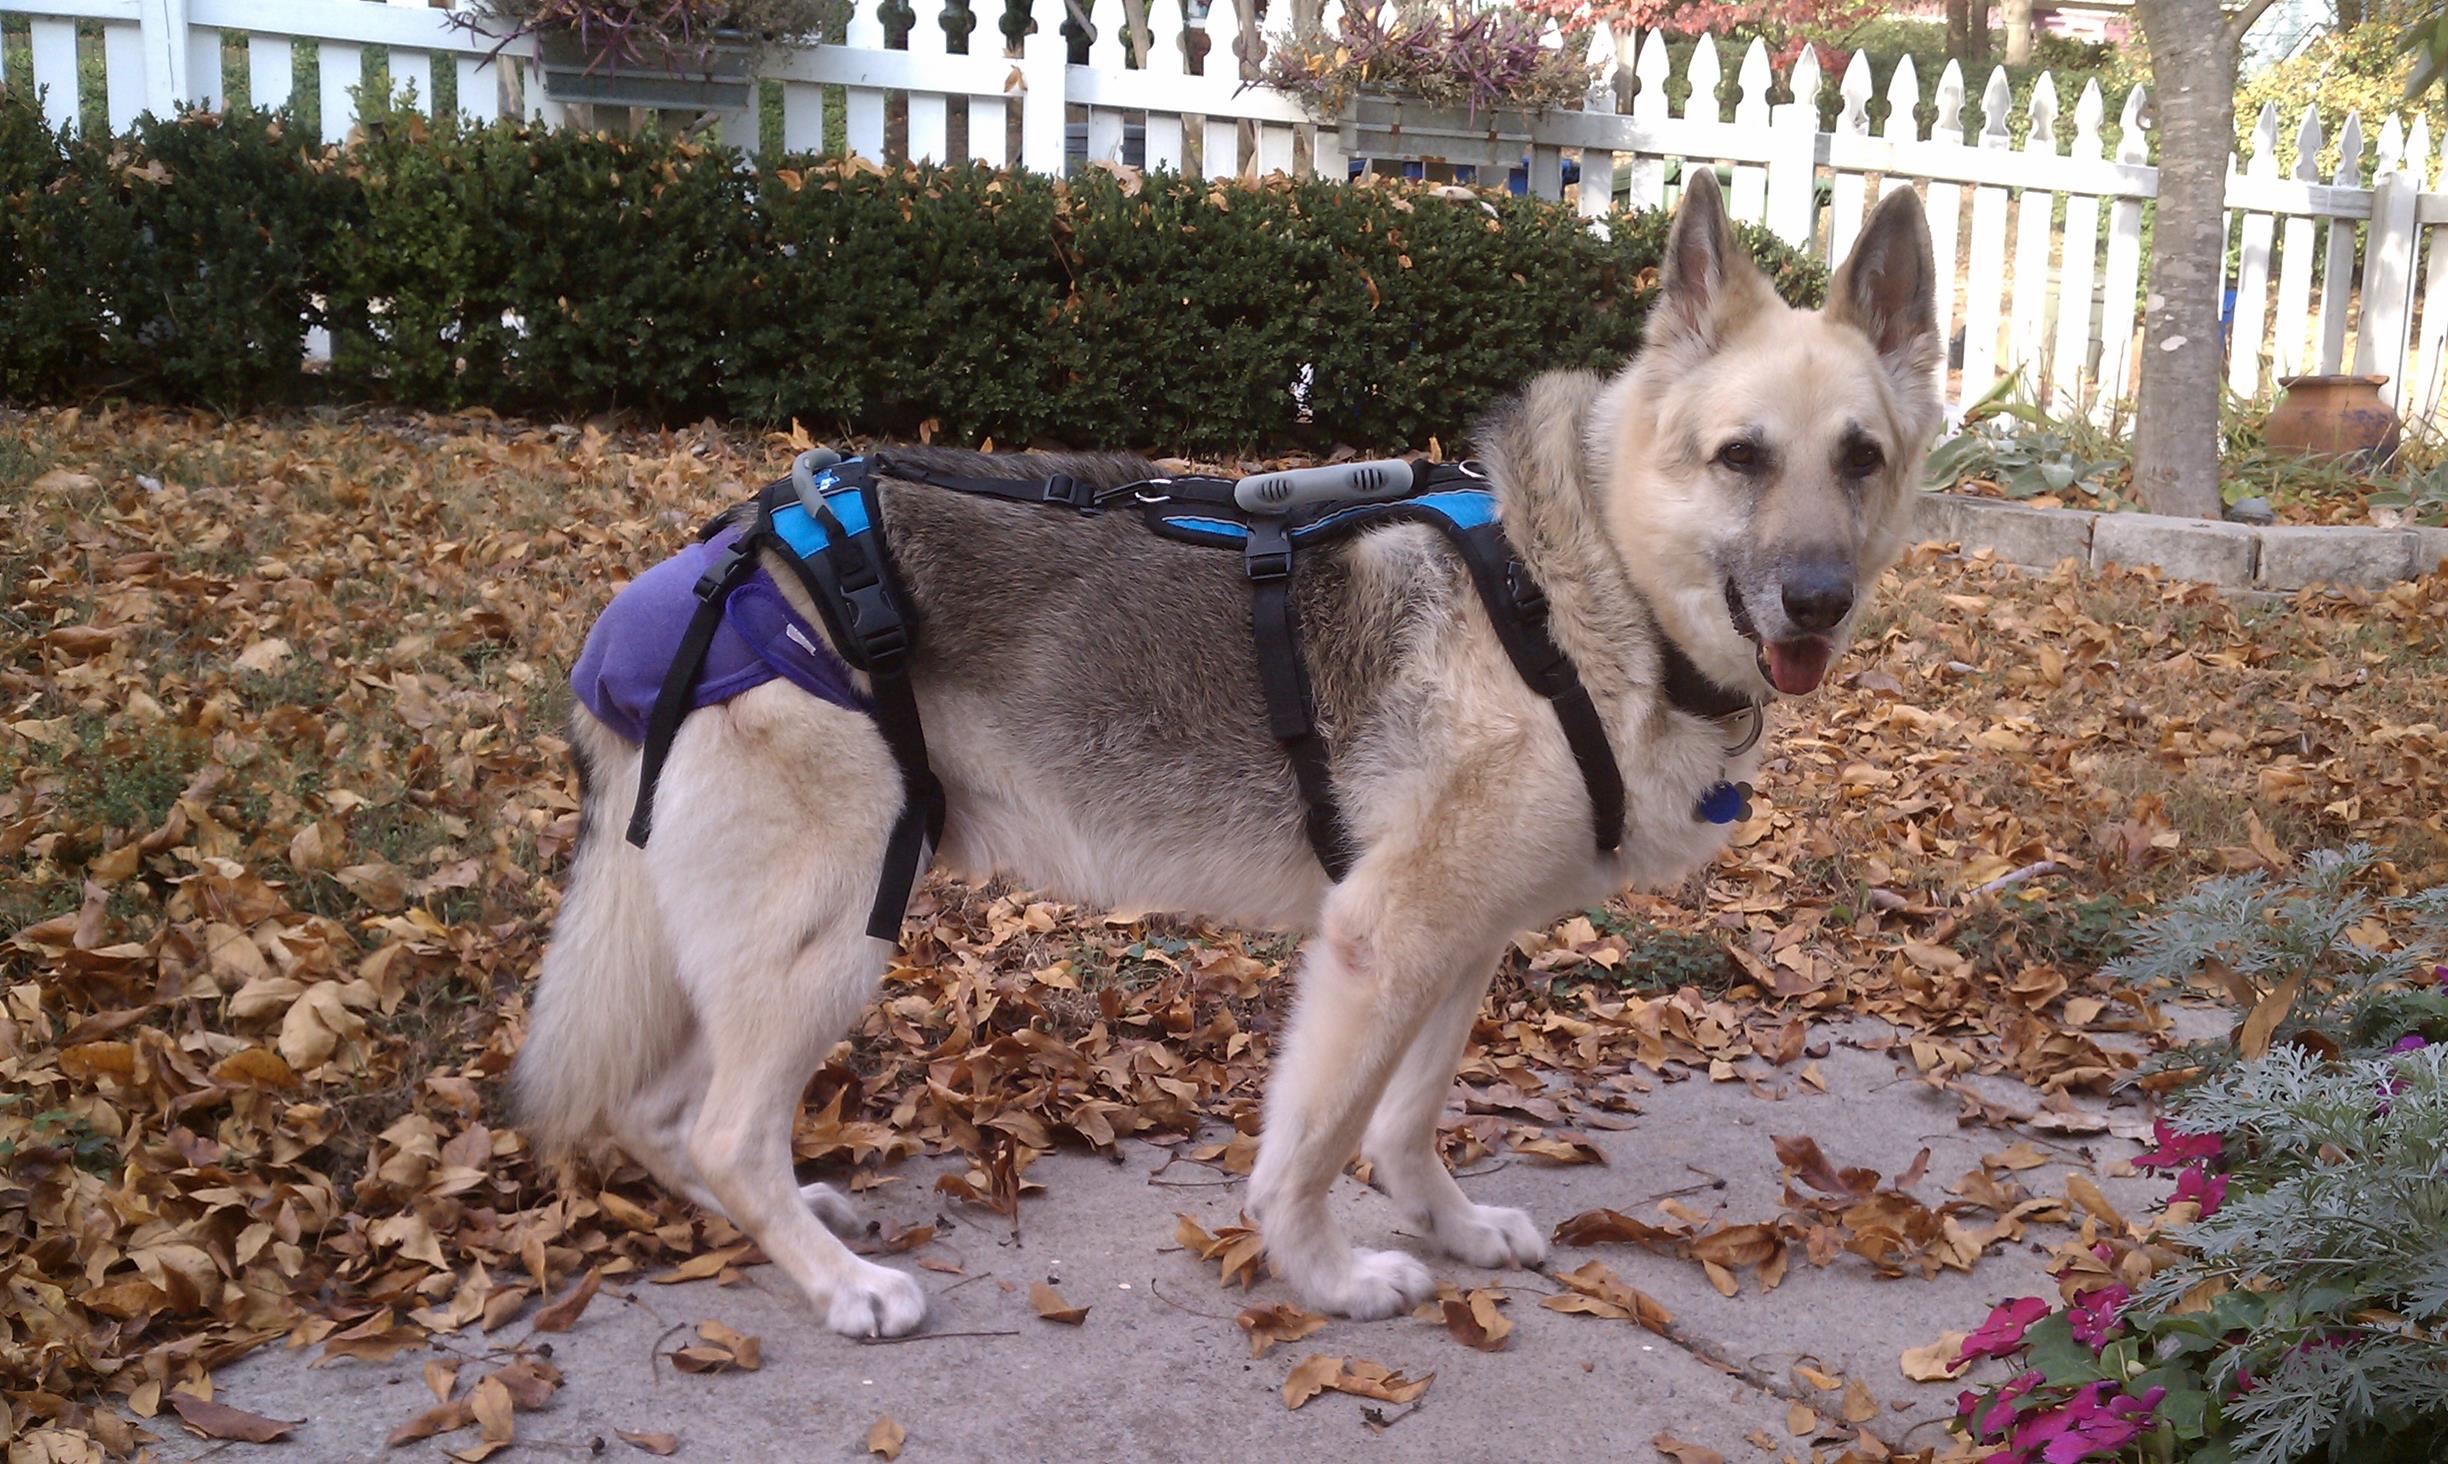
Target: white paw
{"x":1492,"y":1236}
{"x":875,"y":1301}
{"x":827,"y":1204}
{"x":1377,"y":1284}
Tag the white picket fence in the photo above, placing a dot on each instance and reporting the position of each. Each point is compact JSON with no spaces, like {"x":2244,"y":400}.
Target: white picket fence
{"x":2045,"y":247}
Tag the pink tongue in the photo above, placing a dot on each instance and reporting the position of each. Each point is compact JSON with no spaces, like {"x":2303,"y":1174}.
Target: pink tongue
{"x":1796,"y":666}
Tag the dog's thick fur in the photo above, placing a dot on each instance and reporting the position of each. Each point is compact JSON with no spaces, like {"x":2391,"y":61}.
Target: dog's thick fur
{"x":1092,"y":705}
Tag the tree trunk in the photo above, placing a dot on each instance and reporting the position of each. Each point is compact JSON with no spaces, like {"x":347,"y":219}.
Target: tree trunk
{"x":2015,"y":16}
{"x":1968,"y":36}
{"x":2175,"y":440}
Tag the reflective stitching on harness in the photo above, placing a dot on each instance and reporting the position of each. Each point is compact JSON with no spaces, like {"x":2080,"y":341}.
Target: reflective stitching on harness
{"x":1468,"y":507}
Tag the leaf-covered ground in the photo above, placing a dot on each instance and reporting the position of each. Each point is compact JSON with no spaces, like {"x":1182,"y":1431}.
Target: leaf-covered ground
{"x":283,"y":807}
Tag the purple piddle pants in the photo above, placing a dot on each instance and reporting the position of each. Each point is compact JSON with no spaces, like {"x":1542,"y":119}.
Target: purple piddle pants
{"x":630,"y":650}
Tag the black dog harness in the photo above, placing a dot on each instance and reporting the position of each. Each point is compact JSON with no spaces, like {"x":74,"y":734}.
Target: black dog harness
{"x":825,"y":521}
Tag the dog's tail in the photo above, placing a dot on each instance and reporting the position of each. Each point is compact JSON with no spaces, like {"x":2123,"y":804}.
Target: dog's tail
{"x":608,"y":1013}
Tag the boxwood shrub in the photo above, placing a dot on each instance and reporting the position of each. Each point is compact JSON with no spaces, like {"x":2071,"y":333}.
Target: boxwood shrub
{"x":565,"y":273}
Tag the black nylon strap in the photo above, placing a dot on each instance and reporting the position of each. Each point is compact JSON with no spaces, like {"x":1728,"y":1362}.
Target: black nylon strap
{"x":1284,"y":679}
{"x":918,"y":830}
{"x":1517,"y":608}
{"x":671,"y":703}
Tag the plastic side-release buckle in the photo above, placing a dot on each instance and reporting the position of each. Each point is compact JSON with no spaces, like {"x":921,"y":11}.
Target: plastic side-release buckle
{"x":724,"y":572}
{"x":876,"y":623}
{"x":1267,"y":553}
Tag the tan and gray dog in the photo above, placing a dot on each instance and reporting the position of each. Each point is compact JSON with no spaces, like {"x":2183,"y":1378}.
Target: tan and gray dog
{"x":1092,"y":705}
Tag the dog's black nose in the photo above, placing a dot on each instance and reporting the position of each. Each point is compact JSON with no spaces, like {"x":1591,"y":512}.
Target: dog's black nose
{"x":1817,"y":595}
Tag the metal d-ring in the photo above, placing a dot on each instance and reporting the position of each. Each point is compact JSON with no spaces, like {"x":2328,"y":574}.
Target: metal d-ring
{"x":1759,"y":725}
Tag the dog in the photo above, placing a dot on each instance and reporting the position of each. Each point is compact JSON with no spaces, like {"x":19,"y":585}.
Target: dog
{"x":1092,"y":706}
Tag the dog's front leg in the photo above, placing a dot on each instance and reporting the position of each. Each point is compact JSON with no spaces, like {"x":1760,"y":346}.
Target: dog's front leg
{"x":1401,"y":1141}
{"x":1367,"y":982}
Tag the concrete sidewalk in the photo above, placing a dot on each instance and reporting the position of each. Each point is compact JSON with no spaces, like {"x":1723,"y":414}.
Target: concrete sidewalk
{"x":1160,"y":1371}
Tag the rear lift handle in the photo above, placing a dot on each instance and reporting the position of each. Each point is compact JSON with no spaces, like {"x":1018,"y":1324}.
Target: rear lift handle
{"x":804,"y":469}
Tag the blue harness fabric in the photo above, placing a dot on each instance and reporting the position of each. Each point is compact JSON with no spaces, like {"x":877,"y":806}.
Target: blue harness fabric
{"x":827,"y":530}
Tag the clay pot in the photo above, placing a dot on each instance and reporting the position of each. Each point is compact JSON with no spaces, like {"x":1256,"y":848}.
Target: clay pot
{"x":2333,"y":415}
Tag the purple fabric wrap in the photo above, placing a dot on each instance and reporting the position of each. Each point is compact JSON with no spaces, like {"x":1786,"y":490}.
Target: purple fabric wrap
{"x":761,"y":638}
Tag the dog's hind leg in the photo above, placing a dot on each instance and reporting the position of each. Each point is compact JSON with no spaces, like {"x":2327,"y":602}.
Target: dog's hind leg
{"x":1401,"y":1141}
{"x":741,"y":1144}
{"x":769,"y":834}
{"x":654,"y":1130}
{"x":1375,"y":969}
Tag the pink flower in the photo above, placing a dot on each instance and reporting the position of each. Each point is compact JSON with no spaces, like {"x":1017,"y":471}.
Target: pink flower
{"x":2179,"y":1149}
{"x":2086,"y":1425}
{"x":2004,"y":1330}
{"x":2412,"y":1042}
{"x":2203,"y":1188}
{"x":2093,"y":1316}
{"x":1999,"y":1414}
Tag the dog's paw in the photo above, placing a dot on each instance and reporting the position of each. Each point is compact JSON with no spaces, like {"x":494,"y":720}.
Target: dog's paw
{"x":826,"y":1204}
{"x":1492,"y":1236}
{"x":876,"y":1301}
{"x":1378,"y":1284}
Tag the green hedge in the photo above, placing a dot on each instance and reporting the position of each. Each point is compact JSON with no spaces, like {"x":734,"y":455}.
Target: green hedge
{"x":552,"y":273}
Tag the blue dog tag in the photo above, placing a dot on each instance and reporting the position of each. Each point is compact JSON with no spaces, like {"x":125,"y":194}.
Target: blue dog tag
{"x":1725,"y":803}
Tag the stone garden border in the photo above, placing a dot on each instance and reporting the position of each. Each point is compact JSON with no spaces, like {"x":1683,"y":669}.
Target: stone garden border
{"x":2277,"y":559}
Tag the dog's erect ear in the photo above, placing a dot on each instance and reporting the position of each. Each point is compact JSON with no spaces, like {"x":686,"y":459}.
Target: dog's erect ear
{"x":1887,"y":287}
{"x":1709,"y":284}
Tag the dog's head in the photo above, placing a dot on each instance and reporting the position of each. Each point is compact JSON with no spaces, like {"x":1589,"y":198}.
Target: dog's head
{"x":1761,"y":460}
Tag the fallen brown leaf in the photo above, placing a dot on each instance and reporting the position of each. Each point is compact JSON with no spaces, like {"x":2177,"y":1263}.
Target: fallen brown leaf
{"x":1311,"y":1376}
{"x":1474,"y":1320}
{"x":221,"y":1421}
{"x":1683,"y":1453}
{"x":1276,"y":1322}
{"x":1051,"y":1306}
{"x":1938,"y":1362}
{"x":561,"y":1314}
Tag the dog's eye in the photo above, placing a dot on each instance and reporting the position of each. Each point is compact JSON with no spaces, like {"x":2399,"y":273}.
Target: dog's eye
{"x":1741,"y":456}
{"x":1862,"y":459}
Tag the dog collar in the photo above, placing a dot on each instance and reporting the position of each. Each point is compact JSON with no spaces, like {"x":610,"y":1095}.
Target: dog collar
{"x":1689,"y":689}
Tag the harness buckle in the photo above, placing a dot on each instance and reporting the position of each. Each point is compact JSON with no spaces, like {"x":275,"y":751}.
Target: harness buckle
{"x":723,"y":573}
{"x":883,"y":636}
{"x":1267,"y":554}
{"x":1070,"y":492}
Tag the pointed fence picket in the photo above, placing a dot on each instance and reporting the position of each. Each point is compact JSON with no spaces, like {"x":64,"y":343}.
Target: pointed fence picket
{"x":2430,"y":369}
{"x":2038,"y":249}
{"x":2253,"y":265}
{"x":1748,"y":198}
{"x":2035,"y":210}
{"x":1944,"y":202}
{"x":2338,"y":277}
{"x":2121,"y":287}
{"x":2070,"y":356}
{"x":2293,"y":341}
{"x":1988,"y":253}
{"x":1597,"y":195}
{"x":1846,"y":190}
